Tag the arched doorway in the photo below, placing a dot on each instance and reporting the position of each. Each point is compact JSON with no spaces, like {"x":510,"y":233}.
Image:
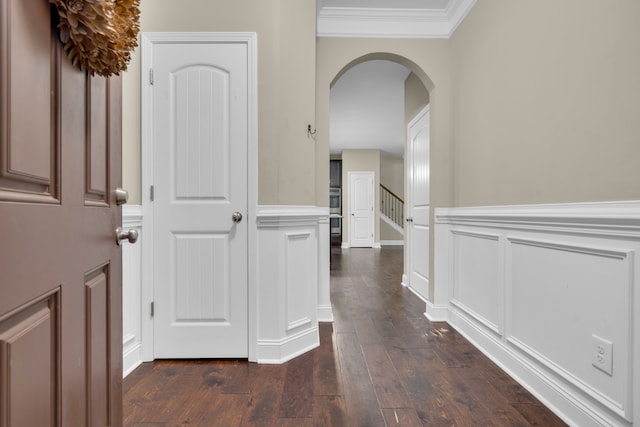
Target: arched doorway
{"x":329,"y":74}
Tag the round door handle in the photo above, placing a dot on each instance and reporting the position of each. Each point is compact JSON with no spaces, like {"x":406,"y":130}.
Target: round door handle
{"x":409,"y":219}
{"x":131,"y":235}
{"x":236,"y":216}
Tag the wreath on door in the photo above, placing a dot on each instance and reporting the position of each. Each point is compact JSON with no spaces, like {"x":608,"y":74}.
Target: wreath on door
{"x":99,"y":35}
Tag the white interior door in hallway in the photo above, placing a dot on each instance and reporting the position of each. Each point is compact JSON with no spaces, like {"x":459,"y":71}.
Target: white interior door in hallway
{"x":200,"y":139}
{"x":361,"y":214}
{"x":418,"y":205}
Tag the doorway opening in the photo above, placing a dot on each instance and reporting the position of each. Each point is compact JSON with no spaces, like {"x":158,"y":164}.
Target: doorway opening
{"x":373,"y":100}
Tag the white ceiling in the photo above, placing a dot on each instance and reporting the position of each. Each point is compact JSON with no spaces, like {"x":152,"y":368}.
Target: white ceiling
{"x":367,"y":108}
{"x":367,"y":102}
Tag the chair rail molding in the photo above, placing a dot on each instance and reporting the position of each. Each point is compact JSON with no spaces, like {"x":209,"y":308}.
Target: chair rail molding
{"x":537,"y":288}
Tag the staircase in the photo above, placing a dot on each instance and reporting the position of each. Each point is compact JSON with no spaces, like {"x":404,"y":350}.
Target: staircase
{"x":392,"y":209}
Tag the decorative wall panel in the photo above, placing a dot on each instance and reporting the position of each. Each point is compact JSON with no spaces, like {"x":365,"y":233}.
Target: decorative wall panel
{"x":477,"y":281}
{"x":300,"y":271}
{"x":564,"y":281}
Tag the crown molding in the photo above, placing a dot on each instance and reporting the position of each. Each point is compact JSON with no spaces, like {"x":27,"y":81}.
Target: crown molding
{"x":392,"y":22}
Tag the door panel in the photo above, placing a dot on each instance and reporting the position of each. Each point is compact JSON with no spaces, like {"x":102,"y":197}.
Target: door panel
{"x":418,"y":228}
{"x":30,"y":335}
{"x":361,"y":209}
{"x":200,"y":179}
{"x":97,"y":158}
{"x":60,"y":298}
{"x":29,"y":161}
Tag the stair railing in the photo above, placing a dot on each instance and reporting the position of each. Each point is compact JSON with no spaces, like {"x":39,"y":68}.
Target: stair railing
{"x":392,"y":206}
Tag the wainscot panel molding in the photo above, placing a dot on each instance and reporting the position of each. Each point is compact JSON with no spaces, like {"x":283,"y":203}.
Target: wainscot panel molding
{"x":292,"y":293}
{"x":292,"y":271}
{"x":132,"y":291}
{"x":551,"y":293}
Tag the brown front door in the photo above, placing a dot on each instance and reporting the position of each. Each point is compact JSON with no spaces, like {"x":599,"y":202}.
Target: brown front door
{"x":60,"y":267}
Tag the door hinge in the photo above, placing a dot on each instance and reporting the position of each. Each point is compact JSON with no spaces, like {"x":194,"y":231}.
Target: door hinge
{"x":151,"y":193}
{"x":152,"y":308}
{"x":151,"y":76}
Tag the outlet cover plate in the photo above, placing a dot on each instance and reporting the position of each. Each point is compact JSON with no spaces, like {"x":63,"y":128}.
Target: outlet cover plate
{"x":602,"y":354}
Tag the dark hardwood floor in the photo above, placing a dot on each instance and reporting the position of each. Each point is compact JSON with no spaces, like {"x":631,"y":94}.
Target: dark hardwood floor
{"x":381,"y":363}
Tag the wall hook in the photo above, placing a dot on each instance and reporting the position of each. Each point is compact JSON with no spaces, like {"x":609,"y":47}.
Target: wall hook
{"x":310,"y":132}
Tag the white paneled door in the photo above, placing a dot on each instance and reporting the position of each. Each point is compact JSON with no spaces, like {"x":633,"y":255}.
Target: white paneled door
{"x":361,"y":215}
{"x":418,"y":204}
{"x":200,"y":122}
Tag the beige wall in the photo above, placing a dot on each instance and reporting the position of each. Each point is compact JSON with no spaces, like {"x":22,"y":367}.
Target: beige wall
{"x":392,"y":173}
{"x":547,"y":102}
{"x":389,"y":233}
{"x":416,"y":97}
{"x":358,"y":161}
{"x":392,"y":177}
{"x":286,"y":87}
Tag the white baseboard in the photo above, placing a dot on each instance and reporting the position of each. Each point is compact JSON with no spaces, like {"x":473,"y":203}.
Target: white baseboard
{"x":437,"y":313}
{"x":345,"y":245}
{"x":391,"y":242}
{"x":275,"y":352}
{"x":325,"y":313}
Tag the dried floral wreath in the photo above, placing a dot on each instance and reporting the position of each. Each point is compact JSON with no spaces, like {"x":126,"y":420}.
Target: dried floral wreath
{"x":99,"y":35}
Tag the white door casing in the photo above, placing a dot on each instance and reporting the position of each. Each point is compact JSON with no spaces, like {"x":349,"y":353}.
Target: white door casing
{"x":361,"y":203}
{"x":201,"y":117}
{"x":417,"y":226}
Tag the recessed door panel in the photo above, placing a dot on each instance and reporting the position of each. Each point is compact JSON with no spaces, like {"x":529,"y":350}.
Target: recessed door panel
{"x":29,"y":366}
{"x":97,"y":354}
{"x":201,"y":285}
{"x":29,"y":144}
{"x":97,"y":154}
{"x":201,"y":137}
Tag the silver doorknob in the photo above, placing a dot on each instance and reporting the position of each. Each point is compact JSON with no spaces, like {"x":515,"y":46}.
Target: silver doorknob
{"x":131,"y":235}
{"x":410,"y":219}
{"x":236,"y":217}
{"x":122,"y":196}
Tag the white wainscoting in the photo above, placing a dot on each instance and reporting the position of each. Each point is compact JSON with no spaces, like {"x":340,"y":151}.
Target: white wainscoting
{"x":531,"y":285}
{"x":292,"y":284}
{"x":325,"y":312}
{"x":288,"y":247}
{"x":132,"y":291}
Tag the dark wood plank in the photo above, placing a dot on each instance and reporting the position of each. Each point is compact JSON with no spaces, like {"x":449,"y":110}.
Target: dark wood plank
{"x":360,"y":397}
{"x":380,"y":363}
{"x":326,"y":369}
{"x":297,"y":395}
{"x":329,"y":411}
{"x":401,"y":417}
{"x":389,"y":389}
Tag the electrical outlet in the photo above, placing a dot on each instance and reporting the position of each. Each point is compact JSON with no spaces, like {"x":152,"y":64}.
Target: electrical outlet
{"x":602,"y":351}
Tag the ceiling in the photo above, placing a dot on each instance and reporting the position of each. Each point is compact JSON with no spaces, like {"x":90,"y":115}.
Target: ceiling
{"x":367,"y":108}
{"x":367,"y":102}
